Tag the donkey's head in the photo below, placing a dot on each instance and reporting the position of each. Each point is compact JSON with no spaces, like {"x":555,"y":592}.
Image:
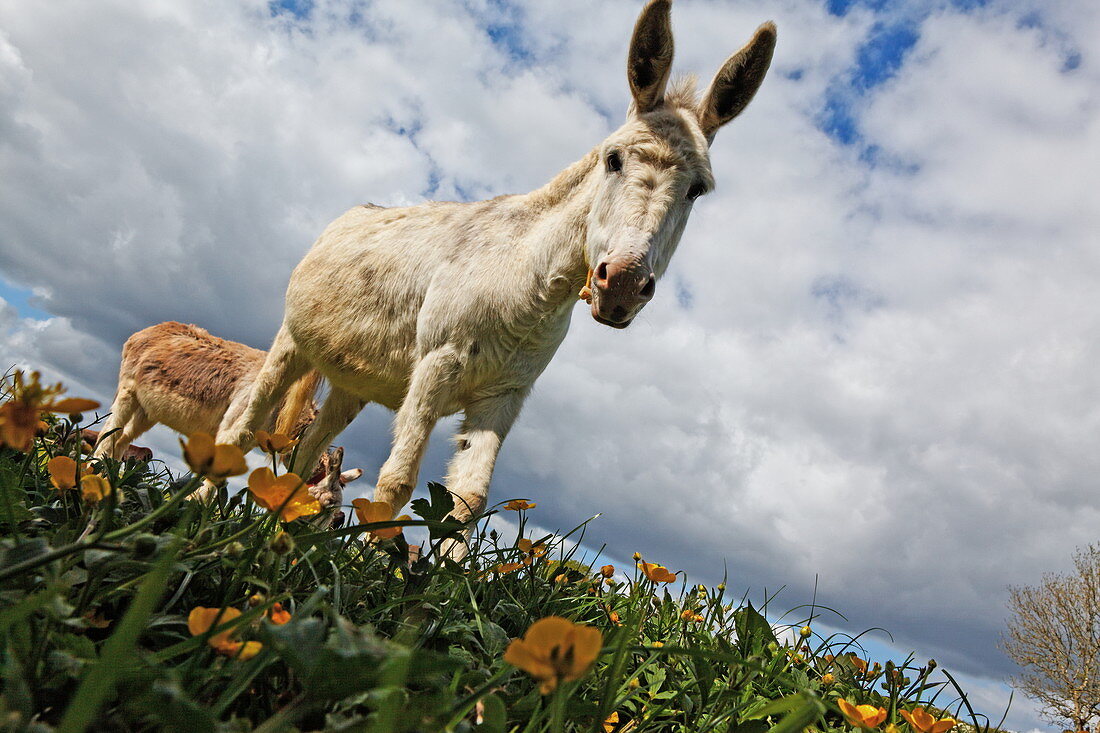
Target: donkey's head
{"x":654,"y":167}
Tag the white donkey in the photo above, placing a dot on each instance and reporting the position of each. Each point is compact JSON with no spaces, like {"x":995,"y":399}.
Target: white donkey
{"x":444,"y":307}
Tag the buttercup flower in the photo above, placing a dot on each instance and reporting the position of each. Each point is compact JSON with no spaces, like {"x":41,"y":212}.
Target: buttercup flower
{"x":274,"y":443}
{"x":555,"y":650}
{"x":215,"y":462}
{"x":507,"y":567}
{"x":611,"y":723}
{"x":62,"y":470}
{"x":657,"y":573}
{"x":530,"y":549}
{"x":828,"y":678}
{"x":516,"y":505}
{"x":368,"y":512}
{"x":20,"y":416}
{"x":277,"y":615}
{"x":202,"y":619}
{"x":285,"y":494}
{"x":862,"y":716}
{"x":687,"y":614}
{"x":95,"y":488}
{"x":924,"y":722}
{"x":607,"y":571}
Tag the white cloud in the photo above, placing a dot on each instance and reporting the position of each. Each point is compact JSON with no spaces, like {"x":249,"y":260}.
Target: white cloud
{"x":885,"y":374}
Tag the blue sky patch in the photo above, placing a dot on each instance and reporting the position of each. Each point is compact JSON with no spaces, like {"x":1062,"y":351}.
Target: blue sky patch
{"x":298,"y":8}
{"x":22,"y":301}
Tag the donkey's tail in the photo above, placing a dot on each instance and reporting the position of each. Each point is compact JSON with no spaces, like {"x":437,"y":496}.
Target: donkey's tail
{"x":299,"y":398}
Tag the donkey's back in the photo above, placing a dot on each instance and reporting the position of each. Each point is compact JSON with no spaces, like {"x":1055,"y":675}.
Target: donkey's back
{"x":184,"y":377}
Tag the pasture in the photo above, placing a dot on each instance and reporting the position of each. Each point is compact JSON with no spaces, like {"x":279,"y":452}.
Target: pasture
{"x":128,"y":605}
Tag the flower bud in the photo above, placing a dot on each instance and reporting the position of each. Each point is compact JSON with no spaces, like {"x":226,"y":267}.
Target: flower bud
{"x":721,"y":586}
{"x":805,"y":632}
{"x":282,"y":543}
{"x":256,"y":599}
{"x":607,"y":571}
{"x":637,"y":556}
{"x":234,"y":549}
{"x":634,"y":684}
{"x":828,"y":678}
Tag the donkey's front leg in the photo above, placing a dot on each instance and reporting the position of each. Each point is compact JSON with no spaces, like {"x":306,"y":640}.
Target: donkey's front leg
{"x":483,"y":430}
{"x":433,"y":381}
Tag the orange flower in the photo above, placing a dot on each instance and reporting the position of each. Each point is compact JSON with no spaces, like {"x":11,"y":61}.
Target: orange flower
{"x":277,"y":615}
{"x":215,"y":462}
{"x":925,"y":722}
{"x":516,"y":505}
{"x":369,"y":512}
{"x":202,"y":619}
{"x":555,"y":650}
{"x":507,"y":567}
{"x":20,"y":416}
{"x":657,"y":573}
{"x":828,"y":678}
{"x":285,"y":494}
{"x":613,"y":617}
{"x":95,"y":489}
{"x":862,"y":716}
{"x":530,"y":549}
{"x":611,"y":723}
{"x":607,"y":571}
{"x":687,"y":614}
{"x":274,"y":443}
{"x":62,"y":470}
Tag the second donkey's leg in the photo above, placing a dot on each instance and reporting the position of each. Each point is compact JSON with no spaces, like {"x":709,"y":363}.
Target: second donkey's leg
{"x":282,"y":367}
{"x":339,"y":410}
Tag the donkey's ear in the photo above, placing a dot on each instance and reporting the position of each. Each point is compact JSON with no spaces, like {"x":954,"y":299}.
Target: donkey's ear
{"x":650,"y":59}
{"x":737,"y":81}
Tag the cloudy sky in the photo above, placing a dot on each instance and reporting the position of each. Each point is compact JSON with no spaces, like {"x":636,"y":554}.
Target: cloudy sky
{"x":872,"y":362}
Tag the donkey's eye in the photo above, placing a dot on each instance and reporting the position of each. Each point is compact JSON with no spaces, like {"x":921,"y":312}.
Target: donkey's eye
{"x":697,"y":189}
{"x":614,"y":162}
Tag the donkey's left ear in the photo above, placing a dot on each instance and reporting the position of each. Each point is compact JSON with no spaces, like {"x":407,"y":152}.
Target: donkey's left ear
{"x":737,"y":81}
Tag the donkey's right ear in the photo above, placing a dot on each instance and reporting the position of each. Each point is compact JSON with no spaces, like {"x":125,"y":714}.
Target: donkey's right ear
{"x":650,"y":59}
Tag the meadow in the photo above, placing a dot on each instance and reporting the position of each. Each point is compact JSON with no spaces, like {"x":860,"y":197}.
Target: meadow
{"x":128,"y":605}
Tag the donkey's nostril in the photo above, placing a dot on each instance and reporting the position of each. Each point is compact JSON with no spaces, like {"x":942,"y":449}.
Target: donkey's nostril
{"x":618,"y":314}
{"x":649,"y":287}
{"x":601,"y":273}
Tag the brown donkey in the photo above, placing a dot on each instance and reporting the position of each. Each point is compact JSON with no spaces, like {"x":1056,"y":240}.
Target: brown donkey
{"x":181,"y":376}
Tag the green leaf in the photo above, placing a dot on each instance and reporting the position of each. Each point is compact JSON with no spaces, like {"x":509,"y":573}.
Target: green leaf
{"x":753,"y":630}
{"x":440,"y":505}
{"x":494,"y":716}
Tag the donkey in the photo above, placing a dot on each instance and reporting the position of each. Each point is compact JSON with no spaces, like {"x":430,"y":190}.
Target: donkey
{"x":444,"y":307}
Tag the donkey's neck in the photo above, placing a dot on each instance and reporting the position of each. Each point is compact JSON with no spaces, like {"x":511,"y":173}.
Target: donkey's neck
{"x":559,"y":229}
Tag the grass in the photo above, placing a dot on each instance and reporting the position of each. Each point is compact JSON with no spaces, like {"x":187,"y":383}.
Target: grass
{"x":95,"y":599}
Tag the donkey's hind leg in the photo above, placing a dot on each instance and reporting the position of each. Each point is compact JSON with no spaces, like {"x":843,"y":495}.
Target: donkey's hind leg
{"x":126,"y":423}
{"x":283,"y":366}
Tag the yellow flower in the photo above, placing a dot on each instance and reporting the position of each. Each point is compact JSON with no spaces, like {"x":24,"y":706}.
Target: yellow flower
{"x":530,"y":549}
{"x":95,"y":488}
{"x":657,"y":573}
{"x":369,"y":512}
{"x":62,"y":470}
{"x":925,"y":722}
{"x":637,"y":556}
{"x":555,"y":650}
{"x":862,"y":716}
{"x":613,"y":617}
{"x":507,"y":567}
{"x":516,"y":505}
{"x":202,"y":619}
{"x":698,"y":619}
{"x":611,"y":723}
{"x":859,"y":664}
{"x":607,"y":571}
{"x":274,"y":443}
{"x":20,"y":416}
{"x":215,"y":462}
{"x":828,"y":678}
{"x":657,"y":644}
{"x":285,"y":494}
{"x":277,"y":615}
{"x":687,"y":614}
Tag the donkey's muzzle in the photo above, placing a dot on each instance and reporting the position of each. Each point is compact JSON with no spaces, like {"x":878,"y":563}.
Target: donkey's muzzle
{"x":620,"y":289}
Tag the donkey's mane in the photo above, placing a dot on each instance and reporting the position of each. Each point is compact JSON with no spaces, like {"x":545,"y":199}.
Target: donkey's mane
{"x":683,"y":92}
